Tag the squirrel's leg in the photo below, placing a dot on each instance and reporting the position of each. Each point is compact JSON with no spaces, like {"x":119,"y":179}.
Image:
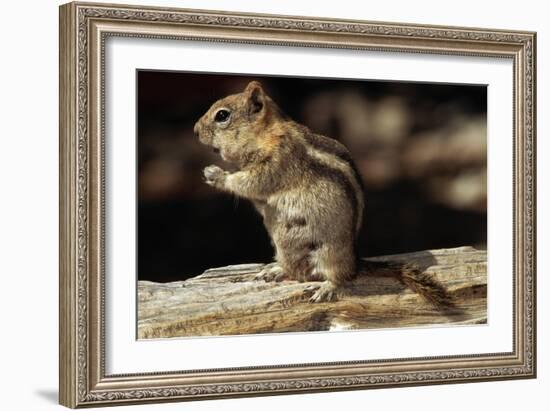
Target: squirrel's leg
{"x":291,"y":263}
{"x":294,"y":243}
{"x":272,"y":271}
{"x":284,"y":268}
{"x":336,"y":264}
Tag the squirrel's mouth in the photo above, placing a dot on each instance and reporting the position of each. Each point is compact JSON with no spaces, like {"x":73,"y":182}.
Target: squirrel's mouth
{"x":215,"y":150}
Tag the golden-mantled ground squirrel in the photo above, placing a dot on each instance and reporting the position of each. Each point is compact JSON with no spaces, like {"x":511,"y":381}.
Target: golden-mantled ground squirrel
{"x":305,"y":186}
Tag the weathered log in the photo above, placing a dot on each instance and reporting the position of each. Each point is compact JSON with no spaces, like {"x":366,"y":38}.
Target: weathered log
{"x":228,"y":301}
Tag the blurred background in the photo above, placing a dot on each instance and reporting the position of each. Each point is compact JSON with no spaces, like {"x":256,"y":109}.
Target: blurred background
{"x":420,"y":148}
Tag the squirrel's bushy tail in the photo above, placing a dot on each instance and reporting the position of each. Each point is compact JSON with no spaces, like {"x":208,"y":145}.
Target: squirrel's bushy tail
{"x":411,"y":276}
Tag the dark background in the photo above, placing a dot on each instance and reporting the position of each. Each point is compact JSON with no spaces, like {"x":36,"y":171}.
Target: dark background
{"x":420,"y":148}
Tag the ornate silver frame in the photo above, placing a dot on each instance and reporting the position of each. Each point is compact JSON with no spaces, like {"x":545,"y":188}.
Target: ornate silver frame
{"x":83,"y":30}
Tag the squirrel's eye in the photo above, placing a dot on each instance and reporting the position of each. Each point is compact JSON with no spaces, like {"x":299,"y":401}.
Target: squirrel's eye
{"x":221,"y":116}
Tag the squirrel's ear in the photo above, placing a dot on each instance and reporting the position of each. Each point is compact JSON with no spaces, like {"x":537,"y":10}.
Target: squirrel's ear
{"x":256,"y":97}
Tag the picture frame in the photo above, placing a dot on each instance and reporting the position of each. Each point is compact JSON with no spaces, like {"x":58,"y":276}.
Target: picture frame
{"x":85,"y":29}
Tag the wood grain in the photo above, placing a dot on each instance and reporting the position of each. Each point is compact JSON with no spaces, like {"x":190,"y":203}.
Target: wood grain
{"x":228,"y":301}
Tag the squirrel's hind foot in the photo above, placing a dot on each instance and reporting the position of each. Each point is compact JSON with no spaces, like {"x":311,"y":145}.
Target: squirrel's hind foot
{"x":271,"y":272}
{"x":322,"y":293}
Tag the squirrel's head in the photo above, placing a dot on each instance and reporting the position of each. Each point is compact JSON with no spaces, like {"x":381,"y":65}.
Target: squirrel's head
{"x":236,"y":124}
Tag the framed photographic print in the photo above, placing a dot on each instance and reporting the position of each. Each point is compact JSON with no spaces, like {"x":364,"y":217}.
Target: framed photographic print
{"x":259,"y":204}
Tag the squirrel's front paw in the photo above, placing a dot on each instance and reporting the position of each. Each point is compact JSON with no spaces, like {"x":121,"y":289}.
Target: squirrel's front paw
{"x":214,"y":176}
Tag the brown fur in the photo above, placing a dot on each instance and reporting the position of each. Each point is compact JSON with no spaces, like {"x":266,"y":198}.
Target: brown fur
{"x":305,"y":186}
